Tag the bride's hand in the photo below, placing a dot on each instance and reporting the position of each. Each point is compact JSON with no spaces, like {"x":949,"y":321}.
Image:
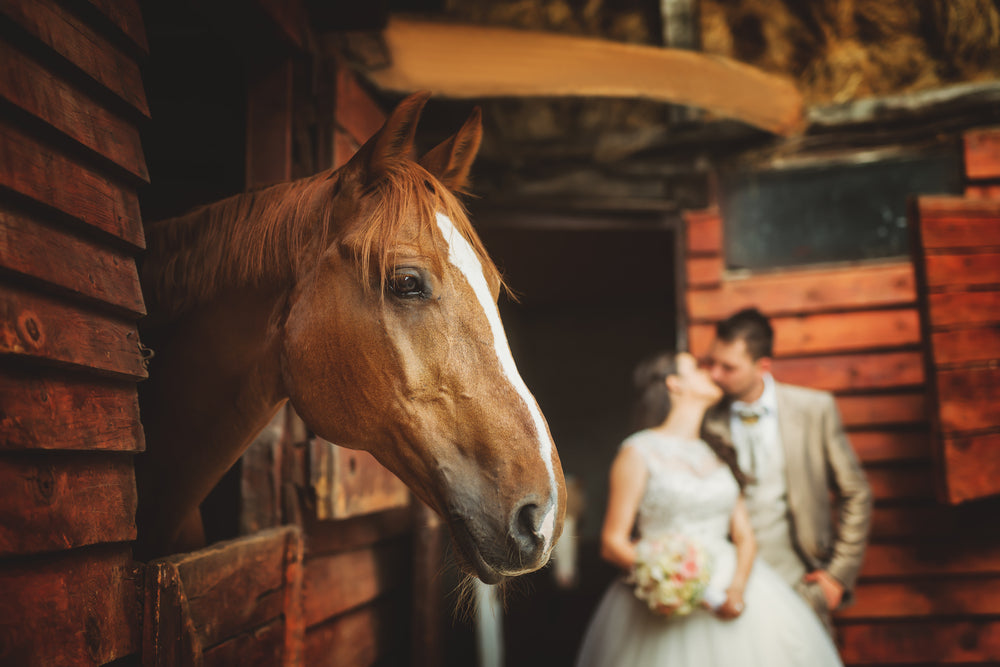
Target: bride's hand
{"x":733,"y":606}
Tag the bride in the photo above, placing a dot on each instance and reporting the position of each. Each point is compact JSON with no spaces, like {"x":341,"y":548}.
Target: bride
{"x":667,"y":480}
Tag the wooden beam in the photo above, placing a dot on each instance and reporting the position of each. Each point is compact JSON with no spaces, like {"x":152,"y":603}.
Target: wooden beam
{"x":466,"y":61}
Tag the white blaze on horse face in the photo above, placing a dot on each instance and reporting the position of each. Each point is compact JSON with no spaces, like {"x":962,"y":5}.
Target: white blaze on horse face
{"x":464,"y":258}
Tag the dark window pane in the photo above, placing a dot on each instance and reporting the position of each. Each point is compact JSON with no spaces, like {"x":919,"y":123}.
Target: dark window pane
{"x":833,"y":212}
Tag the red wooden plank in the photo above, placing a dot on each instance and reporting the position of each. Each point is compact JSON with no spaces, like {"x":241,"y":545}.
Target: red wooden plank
{"x":333,"y":536}
{"x":235,"y":585}
{"x":29,"y":86}
{"x":803,"y":292}
{"x":703,"y":231}
{"x":957,"y":222}
{"x":356,"y":111}
{"x":362,"y":637}
{"x":704,"y":271}
{"x":982,"y":191}
{"x":349,"y":482}
{"x":45,"y":411}
{"x":964,"y":527}
{"x":972,"y":269}
{"x":925,"y":598}
{"x":966,"y":345}
{"x":260,"y":647}
{"x":77,"y":265}
{"x":972,"y":466}
{"x":968,"y":399}
{"x":922,"y":642}
{"x":49,"y":502}
{"x":77,"y":608}
{"x":835,"y":332}
{"x":982,"y":153}
{"x":852,"y":372}
{"x":70,"y":38}
{"x":881,"y":409}
{"x":46,"y":176}
{"x":963,"y":308}
{"x":902,"y":483}
{"x":42,"y":328}
{"x":935,"y":559}
{"x":127,"y":16}
{"x":874,"y":446}
{"x":334,"y":584}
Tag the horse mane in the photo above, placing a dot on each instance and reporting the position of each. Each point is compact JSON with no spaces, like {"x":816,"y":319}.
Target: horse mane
{"x":270,"y":235}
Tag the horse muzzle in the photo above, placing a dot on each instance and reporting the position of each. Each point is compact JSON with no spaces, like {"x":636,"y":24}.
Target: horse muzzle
{"x":494,"y":550}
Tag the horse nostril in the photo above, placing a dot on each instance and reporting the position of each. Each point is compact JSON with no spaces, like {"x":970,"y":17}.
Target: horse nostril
{"x":525,"y":529}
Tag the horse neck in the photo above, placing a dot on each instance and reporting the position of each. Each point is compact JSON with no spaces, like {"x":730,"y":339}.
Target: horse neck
{"x":249,"y":240}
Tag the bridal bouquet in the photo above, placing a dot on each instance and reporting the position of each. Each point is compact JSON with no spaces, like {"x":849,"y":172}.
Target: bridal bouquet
{"x":671,"y":570}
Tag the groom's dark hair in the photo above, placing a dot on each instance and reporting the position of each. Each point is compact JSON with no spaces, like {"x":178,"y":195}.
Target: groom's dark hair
{"x":750,"y":326}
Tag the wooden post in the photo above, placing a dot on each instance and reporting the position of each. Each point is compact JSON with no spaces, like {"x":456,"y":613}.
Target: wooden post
{"x":428,"y":600}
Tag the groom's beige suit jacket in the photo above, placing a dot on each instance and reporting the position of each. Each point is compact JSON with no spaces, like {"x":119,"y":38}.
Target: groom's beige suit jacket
{"x":819,"y":461}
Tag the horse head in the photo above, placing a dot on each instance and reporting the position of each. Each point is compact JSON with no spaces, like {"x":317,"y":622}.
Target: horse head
{"x":393,"y":344}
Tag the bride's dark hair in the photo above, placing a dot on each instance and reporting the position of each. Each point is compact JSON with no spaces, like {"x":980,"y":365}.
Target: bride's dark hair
{"x":653,"y":405}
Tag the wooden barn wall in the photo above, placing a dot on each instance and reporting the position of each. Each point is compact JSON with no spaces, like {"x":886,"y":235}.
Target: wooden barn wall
{"x":929,"y":591}
{"x":71,"y":163}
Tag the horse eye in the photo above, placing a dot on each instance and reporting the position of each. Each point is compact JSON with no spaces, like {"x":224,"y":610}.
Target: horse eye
{"x":406,"y":283}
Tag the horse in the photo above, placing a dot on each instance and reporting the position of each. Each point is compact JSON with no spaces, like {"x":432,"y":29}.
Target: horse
{"x":363,"y":297}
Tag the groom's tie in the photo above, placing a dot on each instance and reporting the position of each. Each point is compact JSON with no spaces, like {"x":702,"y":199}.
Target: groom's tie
{"x":750,"y":417}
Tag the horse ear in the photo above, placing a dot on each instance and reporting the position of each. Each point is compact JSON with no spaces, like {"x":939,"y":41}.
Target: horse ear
{"x":393,"y":141}
{"x":451,"y":160}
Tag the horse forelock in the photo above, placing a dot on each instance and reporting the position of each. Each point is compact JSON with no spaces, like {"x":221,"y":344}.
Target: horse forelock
{"x":268,"y":236}
{"x":408,"y":193}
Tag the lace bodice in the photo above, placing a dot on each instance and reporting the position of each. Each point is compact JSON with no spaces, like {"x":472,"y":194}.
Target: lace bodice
{"x":689,"y":490}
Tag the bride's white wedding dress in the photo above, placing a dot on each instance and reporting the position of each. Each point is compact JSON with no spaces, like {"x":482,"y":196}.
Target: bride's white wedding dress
{"x":691,"y":492}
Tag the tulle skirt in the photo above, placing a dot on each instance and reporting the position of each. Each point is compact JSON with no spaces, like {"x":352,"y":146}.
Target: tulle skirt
{"x":776,"y":629}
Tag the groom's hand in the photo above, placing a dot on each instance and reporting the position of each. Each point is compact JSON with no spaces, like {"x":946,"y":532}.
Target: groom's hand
{"x":832,"y":589}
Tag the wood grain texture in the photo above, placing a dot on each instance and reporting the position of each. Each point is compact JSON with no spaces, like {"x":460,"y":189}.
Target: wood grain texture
{"x":963,"y":346}
{"x":235,"y":585}
{"x":966,"y":270}
{"x":853,"y":372}
{"x":882,"y":409}
{"x":470,"y":61}
{"x":334,"y":536}
{"x":80,"y":45}
{"x":703,"y":231}
{"x":703,"y":271}
{"x":127,"y":16}
{"x":44,"y":175}
{"x":76,"y":608}
{"x":930,"y":559}
{"x":75,"y":265}
{"x":41,"y":328}
{"x":828,"y":333}
{"x":982,"y":152}
{"x":334,"y":584}
{"x":806,"y":291}
{"x":878,"y":446}
{"x":361,"y":637}
{"x":349,"y":482}
{"x":972,"y":464}
{"x":964,"y":308}
{"x":958,"y":222}
{"x":29,"y":86}
{"x":925,"y":598}
{"x":50,"y":502}
{"x":922,"y":642}
{"x":46,"y":410}
{"x":968,"y":399}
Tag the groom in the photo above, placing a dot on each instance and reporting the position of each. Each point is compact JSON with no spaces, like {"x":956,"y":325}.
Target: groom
{"x":791,"y":441}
